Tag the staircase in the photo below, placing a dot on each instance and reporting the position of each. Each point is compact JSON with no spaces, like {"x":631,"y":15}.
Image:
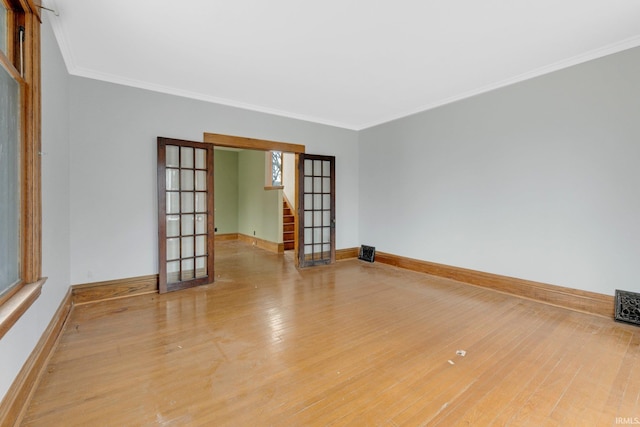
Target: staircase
{"x":288,"y":225}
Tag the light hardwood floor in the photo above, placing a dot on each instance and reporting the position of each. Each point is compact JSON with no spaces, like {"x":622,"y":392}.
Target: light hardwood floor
{"x":350,"y":344}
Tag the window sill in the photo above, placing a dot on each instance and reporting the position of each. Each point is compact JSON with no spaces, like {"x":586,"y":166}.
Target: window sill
{"x":276,"y":187}
{"x":17,"y":305}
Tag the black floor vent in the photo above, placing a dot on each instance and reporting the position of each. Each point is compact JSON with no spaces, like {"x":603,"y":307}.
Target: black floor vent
{"x":628,"y":307}
{"x":367,"y":253}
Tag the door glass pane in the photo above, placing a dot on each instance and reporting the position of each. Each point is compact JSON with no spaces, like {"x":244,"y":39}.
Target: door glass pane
{"x":187,"y":180}
{"x":171,"y":156}
{"x":187,"y":269}
{"x":308,"y":184}
{"x":187,"y":225}
{"x":317,"y":201}
{"x":173,"y":271}
{"x":187,"y":247}
{"x":187,"y":202}
{"x":186,"y":157}
{"x":317,"y":185}
{"x":201,"y":158}
{"x":326,"y":201}
{"x":326,"y":185}
{"x":308,"y":218}
{"x":201,"y":202}
{"x":173,"y":180}
{"x":308,"y":165}
{"x":201,"y":267}
{"x":201,"y":224}
{"x":326,"y":168}
{"x":201,"y":181}
{"x":317,"y":235}
{"x":173,"y":225}
{"x":201,"y":245}
{"x":173,"y":249}
{"x":326,"y":217}
{"x":173,"y":203}
{"x":317,"y":218}
{"x":326,"y":234}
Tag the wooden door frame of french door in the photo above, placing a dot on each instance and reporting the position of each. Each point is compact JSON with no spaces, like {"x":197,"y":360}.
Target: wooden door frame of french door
{"x":163,"y":283}
{"x":239,"y":142}
{"x":303,"y":191}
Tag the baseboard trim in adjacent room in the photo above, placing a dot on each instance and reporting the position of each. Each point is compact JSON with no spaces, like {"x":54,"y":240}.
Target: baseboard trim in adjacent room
{"x":574,"y":299}
{"x":274,"y":247}
{"x":225,"y":237}
{"x":110,"y":289}
{"x":346,"y":253}
{"x":19,"y":395}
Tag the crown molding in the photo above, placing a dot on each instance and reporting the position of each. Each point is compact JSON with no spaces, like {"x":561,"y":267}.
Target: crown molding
{"x":111,"y":78}
{"x":611,"y":49}
{"x":76,"y":70}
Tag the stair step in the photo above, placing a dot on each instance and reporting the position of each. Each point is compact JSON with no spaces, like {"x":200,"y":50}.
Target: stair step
{"x":288,"y":226}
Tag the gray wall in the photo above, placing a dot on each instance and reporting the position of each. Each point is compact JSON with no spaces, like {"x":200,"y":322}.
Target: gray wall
{"x":538,"y":180}
{"x":113,"y":169}
{"x":18,"y":343}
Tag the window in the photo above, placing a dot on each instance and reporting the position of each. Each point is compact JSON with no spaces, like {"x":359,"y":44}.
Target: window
{"x":9,"y":181}
{"x":20,"y":217}
{"x":273,"y":170}
{"x":3,"y":28}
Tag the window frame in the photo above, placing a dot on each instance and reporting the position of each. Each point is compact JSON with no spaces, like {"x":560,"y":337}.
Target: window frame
{"x":25,"y":69}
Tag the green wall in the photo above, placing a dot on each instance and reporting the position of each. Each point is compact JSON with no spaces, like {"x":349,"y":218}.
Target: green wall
{"x":259,"y":210}
{"x":225,"y":171}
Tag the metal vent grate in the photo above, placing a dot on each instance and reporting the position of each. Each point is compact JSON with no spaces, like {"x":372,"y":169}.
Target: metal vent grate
{"x":628,"y":307}
{"x":367,"y":253}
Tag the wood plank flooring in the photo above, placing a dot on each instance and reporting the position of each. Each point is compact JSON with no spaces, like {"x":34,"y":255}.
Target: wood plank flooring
{"x":354,"y":344}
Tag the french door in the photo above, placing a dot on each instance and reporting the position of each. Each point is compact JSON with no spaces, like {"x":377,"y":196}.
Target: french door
{"x":185,"y":214}
{"x":317,"y":210}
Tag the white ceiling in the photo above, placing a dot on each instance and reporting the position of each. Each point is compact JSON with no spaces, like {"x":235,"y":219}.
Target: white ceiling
{"x":348,"y":63}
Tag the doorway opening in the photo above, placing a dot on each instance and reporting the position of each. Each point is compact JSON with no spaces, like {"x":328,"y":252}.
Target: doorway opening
{"x":252,"y":150}
{"x":254,"y":198}
{"x":314,"y":196}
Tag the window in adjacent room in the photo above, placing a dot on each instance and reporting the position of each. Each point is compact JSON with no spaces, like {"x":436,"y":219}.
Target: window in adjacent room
{"x":273,"y":170}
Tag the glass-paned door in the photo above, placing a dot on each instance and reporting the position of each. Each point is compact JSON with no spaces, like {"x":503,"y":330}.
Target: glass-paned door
{"x":185,"y":214}
{"x":317,"y":210}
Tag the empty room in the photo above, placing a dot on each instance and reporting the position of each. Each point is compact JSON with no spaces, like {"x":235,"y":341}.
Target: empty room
{"x":348,"y":213}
